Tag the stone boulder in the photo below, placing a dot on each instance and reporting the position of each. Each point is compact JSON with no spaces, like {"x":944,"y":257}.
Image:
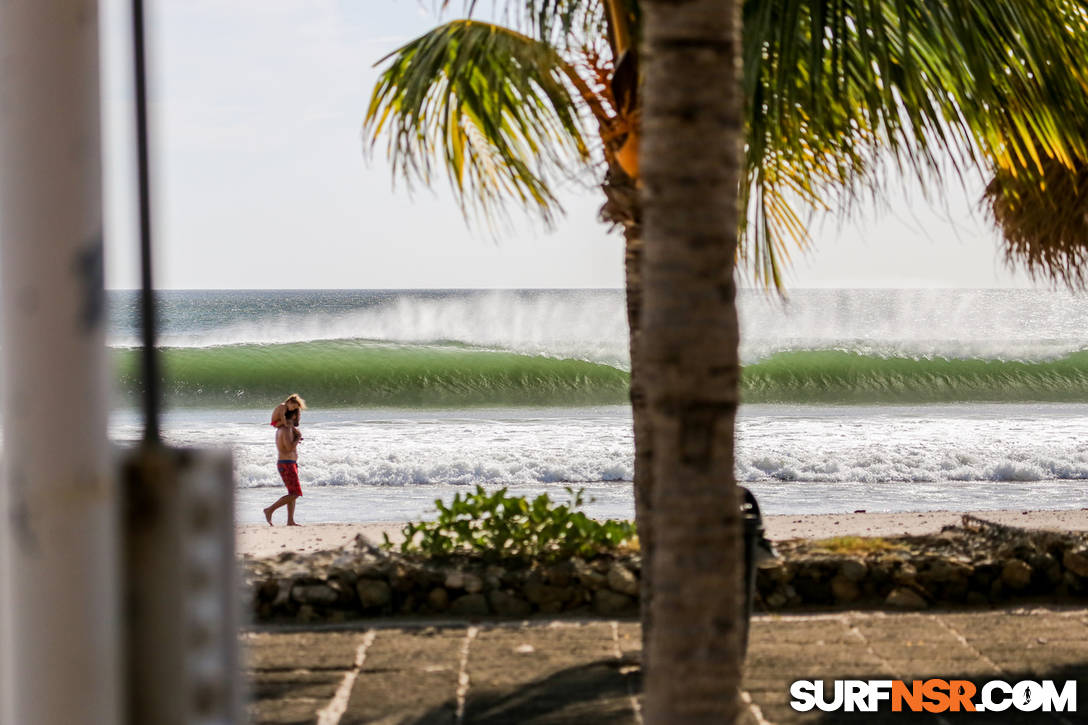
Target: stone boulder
{"x":1016,"y":574}
{"x":373,"y":593}
{"x":608,"y":603}
{"x":470,"y":605}
{"x":904,"y":598}
{"x":1076,"y":561}
{"x":315,"y":594}
{"x":506,"y":604}
{"x":622,"y":580}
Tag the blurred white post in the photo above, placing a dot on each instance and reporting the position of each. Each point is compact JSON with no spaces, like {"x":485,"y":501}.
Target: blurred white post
{"x":58,"y":537}
{"x":181,"y":589}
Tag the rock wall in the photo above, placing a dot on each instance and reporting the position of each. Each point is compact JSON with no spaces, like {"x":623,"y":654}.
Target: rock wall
{"x":363,"y":581}
{"x":977,"y":564}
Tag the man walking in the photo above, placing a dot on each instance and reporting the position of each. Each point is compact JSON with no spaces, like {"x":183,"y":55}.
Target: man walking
{"x":287,"y":438}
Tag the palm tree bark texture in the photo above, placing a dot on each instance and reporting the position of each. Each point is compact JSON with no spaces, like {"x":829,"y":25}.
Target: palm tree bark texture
{"x":623,"y":208}
{"x":692,"y":129}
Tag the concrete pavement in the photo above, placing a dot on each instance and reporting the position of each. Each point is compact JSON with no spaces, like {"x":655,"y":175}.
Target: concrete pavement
{"x":563,"y":671}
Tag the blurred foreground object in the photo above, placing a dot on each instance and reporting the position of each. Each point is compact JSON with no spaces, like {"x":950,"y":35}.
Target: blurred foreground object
{"x":60,"y":599}
{"x":180,"y":587}
{"x":77,"y":615}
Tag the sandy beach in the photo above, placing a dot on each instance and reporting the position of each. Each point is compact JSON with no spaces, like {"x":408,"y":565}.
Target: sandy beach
{"x":260,"y":540}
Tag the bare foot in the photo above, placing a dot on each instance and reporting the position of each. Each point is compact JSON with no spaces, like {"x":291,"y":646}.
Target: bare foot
{"x":292,"y":523}
{"x":268,"y":515}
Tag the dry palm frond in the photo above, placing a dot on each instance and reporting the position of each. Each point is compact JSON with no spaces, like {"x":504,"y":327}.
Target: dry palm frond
{"x":1044,"y":221}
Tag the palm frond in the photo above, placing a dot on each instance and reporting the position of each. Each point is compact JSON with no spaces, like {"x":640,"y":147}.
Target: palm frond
{"x":560,"y":23}
{"x":837,"y":89}
{"x":499,"y":112}
{"x":840,"y":94}
{"x":1044,"y":221}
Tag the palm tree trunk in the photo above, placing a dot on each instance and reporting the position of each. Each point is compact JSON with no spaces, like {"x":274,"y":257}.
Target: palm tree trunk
{"x":643,"y":430}
{"x":623,"y":209}
{"x":692,"y":130}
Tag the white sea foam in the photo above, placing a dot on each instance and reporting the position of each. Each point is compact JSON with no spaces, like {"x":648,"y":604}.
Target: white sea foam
{"x":813,"y":447}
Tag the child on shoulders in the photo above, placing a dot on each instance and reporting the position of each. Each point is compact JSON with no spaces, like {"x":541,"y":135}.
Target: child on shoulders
{"x":293,"y":402}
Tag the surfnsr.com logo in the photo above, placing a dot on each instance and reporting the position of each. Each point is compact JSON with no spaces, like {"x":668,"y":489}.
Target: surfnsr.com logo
{"x":934,"y":695}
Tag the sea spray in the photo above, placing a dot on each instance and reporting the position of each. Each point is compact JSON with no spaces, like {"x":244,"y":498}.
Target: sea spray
{"x":588,"y":325}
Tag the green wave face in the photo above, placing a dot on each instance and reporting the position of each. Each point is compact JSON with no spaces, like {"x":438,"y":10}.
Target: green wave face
{"x":847,"y":377}
{"x":367,"y":374}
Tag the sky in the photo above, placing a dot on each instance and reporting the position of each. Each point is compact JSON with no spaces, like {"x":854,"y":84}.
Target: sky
{"x":260,"y":179}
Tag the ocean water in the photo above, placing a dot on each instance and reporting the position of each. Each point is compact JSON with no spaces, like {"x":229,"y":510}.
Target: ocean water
{"x":883,"y":400}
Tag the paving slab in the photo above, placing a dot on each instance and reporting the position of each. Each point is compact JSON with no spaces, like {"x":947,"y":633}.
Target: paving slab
{"x":300,"y":650}
{"x":408,"y":676}
{"x":295,"y":674}
{"x":555,"y":674}
{"x":565,"y":671}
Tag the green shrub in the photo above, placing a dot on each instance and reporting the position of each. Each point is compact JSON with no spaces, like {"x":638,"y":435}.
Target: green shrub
{"x":505,"y":527}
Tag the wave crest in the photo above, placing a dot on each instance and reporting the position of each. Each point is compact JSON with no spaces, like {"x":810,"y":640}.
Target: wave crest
{"x":360,"y":373}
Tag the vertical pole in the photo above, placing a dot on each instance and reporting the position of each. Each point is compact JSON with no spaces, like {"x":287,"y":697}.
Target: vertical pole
{"x":60,"y":644}
{"x":148,"y":322}
{"x":181,"y":591}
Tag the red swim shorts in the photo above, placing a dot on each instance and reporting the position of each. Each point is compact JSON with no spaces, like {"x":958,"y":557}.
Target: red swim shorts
{"x":289,"y":473}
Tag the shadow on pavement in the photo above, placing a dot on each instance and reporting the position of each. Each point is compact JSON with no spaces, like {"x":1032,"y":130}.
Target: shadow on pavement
{"x":598,"y":692}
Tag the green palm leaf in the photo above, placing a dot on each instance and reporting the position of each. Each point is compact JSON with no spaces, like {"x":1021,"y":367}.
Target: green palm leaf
{"x":499,"y":110}
{"x":841,"y":95}
{"x":563,"y":24}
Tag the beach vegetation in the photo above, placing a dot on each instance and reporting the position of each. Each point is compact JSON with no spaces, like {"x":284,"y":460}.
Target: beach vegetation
{"x":502,"y":526}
